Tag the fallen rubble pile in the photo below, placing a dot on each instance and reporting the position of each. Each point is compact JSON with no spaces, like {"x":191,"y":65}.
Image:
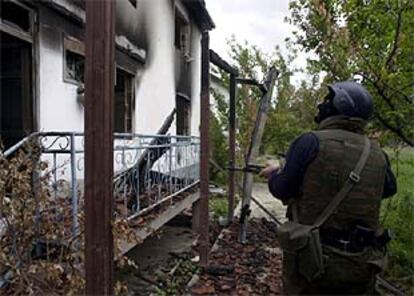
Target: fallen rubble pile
{"x":254,"y":268}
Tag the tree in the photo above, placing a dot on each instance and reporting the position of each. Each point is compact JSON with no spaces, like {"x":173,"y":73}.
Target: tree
{"x":366,"y":40}
{"x":251,"y":63}
{"x":291,"y":111}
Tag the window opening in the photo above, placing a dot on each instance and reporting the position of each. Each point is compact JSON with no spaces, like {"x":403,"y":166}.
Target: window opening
{"x":16,"y":104}
{"x":181,"y":33}
{"x":15,"y":15}
{"x":183,"y":105}
{"x":123,"y":102}
{"x":74,"y":55}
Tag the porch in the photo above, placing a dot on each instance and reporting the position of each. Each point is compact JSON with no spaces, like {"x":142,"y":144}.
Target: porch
{"x":155,"y":178}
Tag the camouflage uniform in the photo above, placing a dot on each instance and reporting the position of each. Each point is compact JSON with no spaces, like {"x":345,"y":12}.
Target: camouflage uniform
{"x":341,"y":142}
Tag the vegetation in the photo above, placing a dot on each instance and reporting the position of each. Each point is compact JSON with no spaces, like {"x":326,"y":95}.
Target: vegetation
{"x":38,"y":253}
{"x":397,"y":214}
{"x":219,"y":150}
{"x":367,"y":41}
{"x":218,"y":205}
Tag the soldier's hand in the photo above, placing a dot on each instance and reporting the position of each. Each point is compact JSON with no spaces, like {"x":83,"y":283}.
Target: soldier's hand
{"x":269,"y":169}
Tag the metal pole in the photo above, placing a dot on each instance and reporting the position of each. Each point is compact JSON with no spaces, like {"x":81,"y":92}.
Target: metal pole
{"x":205,"y":150}
{"x":75,"y":224}
{"x":253,"y":152}
{"x":100,"y":49}
{"x":232,"y":147}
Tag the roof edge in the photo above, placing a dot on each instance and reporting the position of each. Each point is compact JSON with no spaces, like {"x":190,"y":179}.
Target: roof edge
{"x":199,"y":10}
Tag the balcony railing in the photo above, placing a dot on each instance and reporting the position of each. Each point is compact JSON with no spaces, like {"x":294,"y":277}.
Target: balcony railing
{"x":148,"y":170}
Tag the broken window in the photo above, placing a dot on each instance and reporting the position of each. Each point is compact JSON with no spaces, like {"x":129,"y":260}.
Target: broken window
{"x":16,"y":72}
{"x":182,"y":33}
{"x":16,"y":104}
{"x":16,"y":16}
{"x":183,"y":108}
{"x":74,"y":55}
{"x":75,"y":67}
{"x":123,"y":102}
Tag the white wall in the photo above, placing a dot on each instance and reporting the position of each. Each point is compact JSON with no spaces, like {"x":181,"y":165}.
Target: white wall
{"x":59,"y":109}
{"x":196,"y":86}
{"x":156,"y":90}
{"x":220,"y":89}
{"x":157,"y":87}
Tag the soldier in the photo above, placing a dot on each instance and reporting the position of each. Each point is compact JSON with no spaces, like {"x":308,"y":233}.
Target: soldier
{"x":317,"y":166}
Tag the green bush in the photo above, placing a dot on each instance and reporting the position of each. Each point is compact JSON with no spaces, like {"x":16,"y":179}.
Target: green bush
{"x":219,"y":151}
{"x":218,"y":204}
{"x":397,"y":214}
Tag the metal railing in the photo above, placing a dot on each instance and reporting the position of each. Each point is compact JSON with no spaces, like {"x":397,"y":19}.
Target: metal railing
{"x":148,"y":169}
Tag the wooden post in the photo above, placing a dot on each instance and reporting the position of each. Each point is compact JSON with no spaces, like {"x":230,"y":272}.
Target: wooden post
{"x":100,"y":49}
{"x":222,"y":64}
{"x":205,"y":150}
{"x":232,"y":147}
{"x":195,"y":217}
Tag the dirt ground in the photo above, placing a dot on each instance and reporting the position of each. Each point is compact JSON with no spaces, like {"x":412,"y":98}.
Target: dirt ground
{"x":157,"y":257}
{"x":254,"y":268}
{"x":168,"y":260}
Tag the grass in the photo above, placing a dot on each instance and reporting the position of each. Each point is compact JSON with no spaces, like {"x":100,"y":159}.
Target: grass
{"x":397,"y":214}
{"x":218,"y":204}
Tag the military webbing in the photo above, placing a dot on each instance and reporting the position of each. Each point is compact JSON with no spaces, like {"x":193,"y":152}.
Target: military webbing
{"x":353,"y":178}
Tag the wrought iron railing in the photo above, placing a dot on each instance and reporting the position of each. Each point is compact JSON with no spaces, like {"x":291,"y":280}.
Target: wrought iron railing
{"x":148,"y":169}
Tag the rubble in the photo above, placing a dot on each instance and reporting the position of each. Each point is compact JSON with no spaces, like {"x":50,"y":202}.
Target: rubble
{"x":257,"y":264}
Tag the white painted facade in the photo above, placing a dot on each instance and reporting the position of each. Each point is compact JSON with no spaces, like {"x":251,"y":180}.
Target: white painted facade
{"x":58,"y":107}
{"x":155,"y":81}
{"x":217,"y":86}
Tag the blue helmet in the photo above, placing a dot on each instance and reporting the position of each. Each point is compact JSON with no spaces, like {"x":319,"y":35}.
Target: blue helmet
{"x":352,"y":99}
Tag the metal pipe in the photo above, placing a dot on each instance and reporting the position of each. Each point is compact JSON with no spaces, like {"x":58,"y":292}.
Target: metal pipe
{"x":205,"y":150}
{"x":170,"y":169}
{"x":118,"y":136}
{"x":147,"y":209}
{"x":19,"y":144}
{"x":138,"y":205}
{"x":124,"y":167}
{"x":75,"y":222}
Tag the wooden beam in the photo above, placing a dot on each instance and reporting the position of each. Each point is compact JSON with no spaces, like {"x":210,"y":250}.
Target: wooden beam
{"x":254,"y":82}
{"x":204,"y":149}
{"x":222,"y":64}
{"x":99,"y":92}
{"x":232,"y":147}
{"x":143,"y":232}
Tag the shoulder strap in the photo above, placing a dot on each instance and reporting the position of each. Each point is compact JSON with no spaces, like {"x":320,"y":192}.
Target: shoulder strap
{"x":353,"y":178}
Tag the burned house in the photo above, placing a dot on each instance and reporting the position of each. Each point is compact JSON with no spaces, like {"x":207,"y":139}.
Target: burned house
{"x":157,"y":66}
{"x":156,"y":103}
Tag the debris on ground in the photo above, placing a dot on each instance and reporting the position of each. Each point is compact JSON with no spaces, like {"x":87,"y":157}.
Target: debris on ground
{"x":253,"y":268}
{"x":167,"y":260}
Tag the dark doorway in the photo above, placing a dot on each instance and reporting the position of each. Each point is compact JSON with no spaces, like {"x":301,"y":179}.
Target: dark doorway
{"x":16,"y":101}
{"x":183,"y":107}
{"x":123,"y":102}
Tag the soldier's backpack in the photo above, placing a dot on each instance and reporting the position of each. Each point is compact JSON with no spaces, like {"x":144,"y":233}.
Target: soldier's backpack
{"x":301,"y":243}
